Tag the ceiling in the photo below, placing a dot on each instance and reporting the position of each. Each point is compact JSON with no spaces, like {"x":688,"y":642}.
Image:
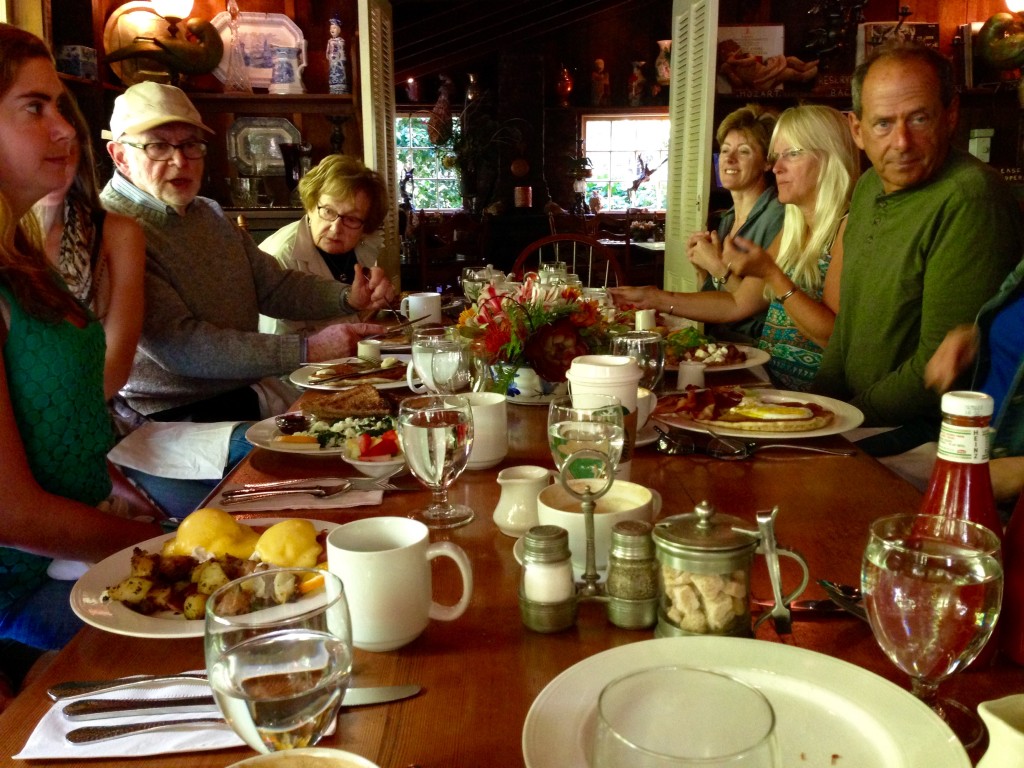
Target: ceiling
{"x":432,"y":36}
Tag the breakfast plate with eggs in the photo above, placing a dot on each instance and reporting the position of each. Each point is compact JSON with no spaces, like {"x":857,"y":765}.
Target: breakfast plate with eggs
{"x":768,"y":413}
{"x":210,"y":530}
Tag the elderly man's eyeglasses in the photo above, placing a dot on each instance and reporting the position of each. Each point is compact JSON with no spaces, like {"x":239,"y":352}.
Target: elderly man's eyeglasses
{"x":330,"y":216}
{"x":788,"y":156}
{"x":164,"y":150}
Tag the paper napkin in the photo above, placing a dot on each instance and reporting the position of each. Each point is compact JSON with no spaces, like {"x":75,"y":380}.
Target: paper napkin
{"x":47,"y":740}
{"x":297,"y":501}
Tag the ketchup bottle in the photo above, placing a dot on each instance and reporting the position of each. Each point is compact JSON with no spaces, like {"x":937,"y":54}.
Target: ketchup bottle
{"x":960,"y":485}
{"x":1011,"y":617}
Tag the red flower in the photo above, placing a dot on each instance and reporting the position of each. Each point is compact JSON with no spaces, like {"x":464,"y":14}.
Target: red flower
{"x":586,"y":314}
{"x":551,"y":349}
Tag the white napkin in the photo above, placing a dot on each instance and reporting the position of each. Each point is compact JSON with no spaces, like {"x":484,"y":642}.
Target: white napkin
{"x":182,"y":450}
{"x":47,"y":740}
{"x":297,"y":501}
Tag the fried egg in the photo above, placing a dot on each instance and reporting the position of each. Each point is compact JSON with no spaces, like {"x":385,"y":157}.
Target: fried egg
{"x":768,"y":412}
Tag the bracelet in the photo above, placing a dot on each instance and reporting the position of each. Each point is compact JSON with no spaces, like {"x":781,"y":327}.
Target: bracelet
{"x":718,"y":282}
{"x":787,"y":294}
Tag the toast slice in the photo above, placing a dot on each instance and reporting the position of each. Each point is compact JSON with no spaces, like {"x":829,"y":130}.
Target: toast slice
{"x":360,"y":400}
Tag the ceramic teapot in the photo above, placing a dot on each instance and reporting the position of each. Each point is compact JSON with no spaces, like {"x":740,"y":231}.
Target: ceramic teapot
{"x":286,"y":65}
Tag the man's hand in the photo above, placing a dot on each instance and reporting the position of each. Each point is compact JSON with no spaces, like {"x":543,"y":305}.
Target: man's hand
{"x":954,"y":355}
{"x":373,"y":292}
{"x":338,"y":340}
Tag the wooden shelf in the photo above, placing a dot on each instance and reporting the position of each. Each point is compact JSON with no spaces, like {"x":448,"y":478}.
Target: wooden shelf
{"x":274,"y":104}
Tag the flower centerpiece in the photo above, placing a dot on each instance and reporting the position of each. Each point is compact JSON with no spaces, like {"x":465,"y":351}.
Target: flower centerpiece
{"x":534,"y":325}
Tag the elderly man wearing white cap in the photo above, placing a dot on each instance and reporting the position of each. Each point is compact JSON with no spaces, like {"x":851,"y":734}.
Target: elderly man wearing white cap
{"x":207,"y":282}
{"x":201,"y":357}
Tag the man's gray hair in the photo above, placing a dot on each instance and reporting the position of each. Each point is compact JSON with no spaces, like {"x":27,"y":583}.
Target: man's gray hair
{"x":900,"y":50}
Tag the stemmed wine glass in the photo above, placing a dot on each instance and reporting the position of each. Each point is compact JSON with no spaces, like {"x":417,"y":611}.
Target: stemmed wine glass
{"x":436,"y":433}
{"x":592,"y":422}
{"x":932,"y":590}
{"x":278,"y":647}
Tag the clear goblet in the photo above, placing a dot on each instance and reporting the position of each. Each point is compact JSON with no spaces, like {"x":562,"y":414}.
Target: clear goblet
{"x":932,"y":588}
{"x":648,"y":349}
{"x":677,"y":717}
{"x":279,"y":664}
{"x":424,"y":341}
{"x":452,"y":366}
{"x":436,"y":433}
{"x":593,"y":422}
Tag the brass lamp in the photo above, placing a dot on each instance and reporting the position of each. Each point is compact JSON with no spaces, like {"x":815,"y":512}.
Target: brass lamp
{"x":1001,"y":41}
{"x":179,"y":55}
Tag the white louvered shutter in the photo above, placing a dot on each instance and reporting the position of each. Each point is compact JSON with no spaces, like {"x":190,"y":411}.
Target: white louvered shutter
{"x":691,"y":110}
{"x":377,"y":91}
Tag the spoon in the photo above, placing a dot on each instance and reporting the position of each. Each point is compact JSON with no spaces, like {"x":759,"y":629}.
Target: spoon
{"x":847,"y":597}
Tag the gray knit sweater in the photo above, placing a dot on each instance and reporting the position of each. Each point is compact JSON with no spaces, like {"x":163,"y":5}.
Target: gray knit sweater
{"x":206,"y":284}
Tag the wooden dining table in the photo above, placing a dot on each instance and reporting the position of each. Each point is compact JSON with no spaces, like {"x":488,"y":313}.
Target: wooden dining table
{"x":481,"y":673}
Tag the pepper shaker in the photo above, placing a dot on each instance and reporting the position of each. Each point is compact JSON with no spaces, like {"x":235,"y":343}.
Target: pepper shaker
{"x":632,"y":585}
{"x":547,"y":592}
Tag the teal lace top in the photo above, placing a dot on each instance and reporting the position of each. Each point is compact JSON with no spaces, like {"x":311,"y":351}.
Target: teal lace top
{"x":55,"y":379}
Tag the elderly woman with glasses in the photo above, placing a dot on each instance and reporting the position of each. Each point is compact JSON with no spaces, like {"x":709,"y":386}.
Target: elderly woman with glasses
{"x":345,"y":204}
{"x":816,"y":165}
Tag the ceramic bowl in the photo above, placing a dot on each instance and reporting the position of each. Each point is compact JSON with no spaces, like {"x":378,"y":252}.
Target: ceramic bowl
{"x":311,"y":757}
{"x":376,"y":468}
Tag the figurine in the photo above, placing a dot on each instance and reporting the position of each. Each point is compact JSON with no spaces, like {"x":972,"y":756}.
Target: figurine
{"x":600,"y":86}
{"x":637,"y":81}
{"x":337,"y":77}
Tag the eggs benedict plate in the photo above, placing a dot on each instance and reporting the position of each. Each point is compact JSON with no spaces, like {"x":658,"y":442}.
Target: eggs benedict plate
{"x":291,"y":541}
{"x":771,"y":413}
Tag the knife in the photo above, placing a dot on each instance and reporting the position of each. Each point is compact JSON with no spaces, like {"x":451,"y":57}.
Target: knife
{"x":355,"y":375}
{"x":79,"y":687}
{"x":94,"y":709}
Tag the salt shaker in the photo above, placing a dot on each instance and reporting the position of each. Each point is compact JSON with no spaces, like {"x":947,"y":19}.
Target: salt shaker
{"x":632,"y":585}
{"x":547,"y":592}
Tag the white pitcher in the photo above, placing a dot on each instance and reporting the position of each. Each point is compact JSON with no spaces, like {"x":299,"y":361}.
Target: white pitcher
{"x":287,"y":63}
{"x":516,"y":512}
{"x":1004,"y":719}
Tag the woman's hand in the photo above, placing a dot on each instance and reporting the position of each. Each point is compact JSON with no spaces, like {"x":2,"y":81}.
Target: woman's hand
{"x":953,"y":356}
{"x":642,"y":297}
{"x":704,"y":250}
{"x":373,"y":292}
{"x":744,"y":257}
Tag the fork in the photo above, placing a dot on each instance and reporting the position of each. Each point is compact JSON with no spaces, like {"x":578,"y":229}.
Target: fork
{"x":752,"y":446}
{"x":780,"y":614}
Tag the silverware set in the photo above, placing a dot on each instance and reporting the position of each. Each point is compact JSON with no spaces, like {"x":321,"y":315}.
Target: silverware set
{"x":320,"y":488}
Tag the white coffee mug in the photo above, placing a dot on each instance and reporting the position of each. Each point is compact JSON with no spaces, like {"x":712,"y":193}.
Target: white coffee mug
{"x":645,"y":402}
{"x":490,"y":429}
{"x":384,"y":563}
{"x":623,"y":501}
{"x":422,"y":307}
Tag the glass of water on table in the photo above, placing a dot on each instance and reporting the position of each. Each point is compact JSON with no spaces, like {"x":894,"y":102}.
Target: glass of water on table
{"x":278,"y":647}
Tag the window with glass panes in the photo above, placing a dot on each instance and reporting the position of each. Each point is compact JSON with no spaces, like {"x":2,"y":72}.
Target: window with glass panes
{"x":435,"y":185}
{"x":620,"y":148}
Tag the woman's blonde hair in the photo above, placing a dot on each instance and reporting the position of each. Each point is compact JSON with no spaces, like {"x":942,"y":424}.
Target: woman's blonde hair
{"x":24,"y":267}
{"x":825,"y":133}
{"x":342,"y":177}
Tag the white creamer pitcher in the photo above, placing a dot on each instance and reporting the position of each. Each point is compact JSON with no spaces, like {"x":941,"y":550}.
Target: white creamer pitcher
{"x":516,"y":512}
{"x":1004,"y":719}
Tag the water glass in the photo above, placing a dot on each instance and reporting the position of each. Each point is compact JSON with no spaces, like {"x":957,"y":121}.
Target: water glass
{"x":678,"y":717}
{"x":436,"y":433}
{"x":278,"y":646}
{"x":648,"y":349}
{"x":452,"y":366}
{"x":586,"y":422}
{"x":424,"y":340}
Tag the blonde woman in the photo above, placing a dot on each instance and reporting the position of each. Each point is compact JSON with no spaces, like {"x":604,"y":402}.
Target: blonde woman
{"x":816,"y":165}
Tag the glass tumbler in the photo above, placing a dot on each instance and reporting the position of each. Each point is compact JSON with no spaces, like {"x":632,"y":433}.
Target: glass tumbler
{"x":648,"y":349}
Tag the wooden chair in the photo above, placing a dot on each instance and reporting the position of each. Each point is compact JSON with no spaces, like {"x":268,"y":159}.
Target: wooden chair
{"x":596,"y":265}
{"x":565,"y":223}
{"x":444,"y":245}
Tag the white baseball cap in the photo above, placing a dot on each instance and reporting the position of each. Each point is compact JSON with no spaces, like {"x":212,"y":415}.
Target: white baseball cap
{"x":147,"y":105}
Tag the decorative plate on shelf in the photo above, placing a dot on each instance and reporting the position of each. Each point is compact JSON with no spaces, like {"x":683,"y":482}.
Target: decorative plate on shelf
{"x":250,"y":137}
{"x":256,"y":33}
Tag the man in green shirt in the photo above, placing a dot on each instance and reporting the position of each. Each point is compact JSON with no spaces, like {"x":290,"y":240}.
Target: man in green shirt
{"x":932,"y":233}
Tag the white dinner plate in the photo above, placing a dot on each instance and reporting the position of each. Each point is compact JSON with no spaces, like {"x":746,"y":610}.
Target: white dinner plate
{"x":300,"y":378}
{"x":262,"y":434}
{"x":847,"y":417}
{"x":755,"y":357}
{"x":88,"y":603}
{"x":824,"y":707}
